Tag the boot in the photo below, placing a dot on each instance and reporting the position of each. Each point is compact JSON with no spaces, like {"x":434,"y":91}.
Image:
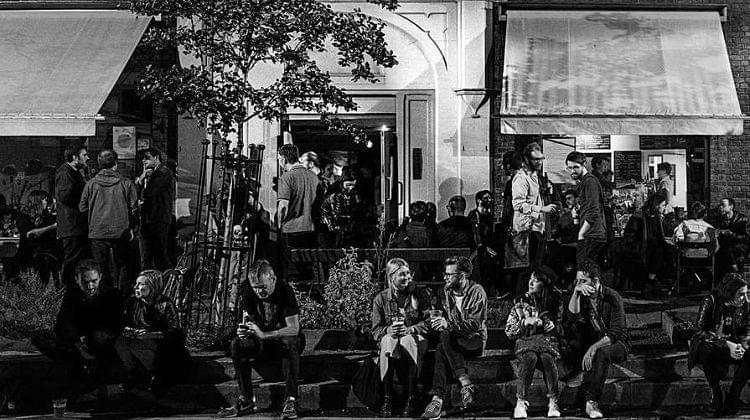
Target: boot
{"x":717,"y":403}
{"x":386,"y":410}
{"x":408,"y":407}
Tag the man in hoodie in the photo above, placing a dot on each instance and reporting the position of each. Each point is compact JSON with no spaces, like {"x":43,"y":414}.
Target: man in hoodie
{"x":72,"y":229}
{"x":111,"y":202}
{"x":158,"y":192}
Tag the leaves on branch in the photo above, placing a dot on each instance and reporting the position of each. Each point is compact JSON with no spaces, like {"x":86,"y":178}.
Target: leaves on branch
{"x":229,"y":38}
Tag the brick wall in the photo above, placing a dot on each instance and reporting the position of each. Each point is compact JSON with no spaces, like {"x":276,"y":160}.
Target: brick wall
{"x":729,"y":160}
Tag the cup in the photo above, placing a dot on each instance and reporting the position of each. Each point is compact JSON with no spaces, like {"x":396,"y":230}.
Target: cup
{"x":58,"y":407}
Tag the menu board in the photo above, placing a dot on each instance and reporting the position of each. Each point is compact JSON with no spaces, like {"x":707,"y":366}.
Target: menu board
{"x":593,"y":143}
{"x":663,"y":142}
{"x":627,"y":166}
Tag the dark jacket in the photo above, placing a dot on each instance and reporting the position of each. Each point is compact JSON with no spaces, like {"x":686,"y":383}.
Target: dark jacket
{"x":69,"y":185}
{"x":416,"y":235}
{"x":611,"y":311}
{"x":111,"y":202}
{"x":161,"y":316}
{"x":81,"y":317}
{"x":591,"y":203}
{"x":338,"y":211}
{"x":158,"y":197}
{"x":710,"y":317}
{"x":456,"y":232}
{"x":507,"y":218}
{"x":737,"y":227}
{"x":385,"y":307}
{"x":469,"y":326}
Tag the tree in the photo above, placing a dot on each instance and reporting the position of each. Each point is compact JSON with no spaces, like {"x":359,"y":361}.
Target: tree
{"x":231,"y":37}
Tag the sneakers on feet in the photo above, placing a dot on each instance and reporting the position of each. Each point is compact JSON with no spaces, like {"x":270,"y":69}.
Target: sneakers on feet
{"x":434,"y":409}
{"x":467,"y":395}
{"x":520,"y":411}
{"x":289,"y":410}
{"x":552,"y":409}
{"x":593,"y":411}
{"x":242,"y":408}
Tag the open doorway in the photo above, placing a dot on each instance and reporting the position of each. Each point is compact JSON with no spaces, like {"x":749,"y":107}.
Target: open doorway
{"x":370,"y":159}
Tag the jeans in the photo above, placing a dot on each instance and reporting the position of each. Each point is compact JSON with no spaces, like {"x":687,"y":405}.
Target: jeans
{"x":155,"y":246}
{"x":134,"y":350}
{"x":117,"y":275}
{"x":75,"y":249}
{"x":298,"y":240}
{"x":247,"y":351}
{"x":450,"y":361}
{"x":589,"y":249}
{"x":715,"y":361}
{"x":529,"y":362}
{"x":594,"y":379}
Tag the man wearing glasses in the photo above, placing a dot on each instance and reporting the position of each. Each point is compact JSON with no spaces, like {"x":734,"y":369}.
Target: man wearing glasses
{"x":592,"y":235}
{"x":529,"y":209}
{"x":463,"y":333}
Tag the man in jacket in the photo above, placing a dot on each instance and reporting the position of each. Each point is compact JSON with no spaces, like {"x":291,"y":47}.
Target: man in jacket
{"x":592,"y":235}
{"x":157,"y":184}
{"x":601,"y":333}
{"x":463,"y":333}
{"x":72,"y":229}
{"x":89,"y":320}
{"x":111,"y":202}
{"x":734,"y":242}
{"x":456,"y":231}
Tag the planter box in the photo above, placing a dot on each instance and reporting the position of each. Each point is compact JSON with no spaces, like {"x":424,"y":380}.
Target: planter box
{"x":673,"y":323}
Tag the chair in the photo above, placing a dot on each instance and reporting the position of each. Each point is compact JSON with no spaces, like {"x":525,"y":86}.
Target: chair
{"x":686,"y":261}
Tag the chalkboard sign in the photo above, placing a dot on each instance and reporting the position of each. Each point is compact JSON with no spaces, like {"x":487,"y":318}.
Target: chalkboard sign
{"x":593,"y":143}
{"x":627,"y":166}
{"x":664,"y":142}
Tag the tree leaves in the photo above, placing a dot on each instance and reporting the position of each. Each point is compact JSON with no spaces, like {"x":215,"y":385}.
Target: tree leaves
{"x":231,"y":37}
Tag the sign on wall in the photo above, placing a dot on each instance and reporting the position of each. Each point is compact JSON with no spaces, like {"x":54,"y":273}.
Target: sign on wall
{"x":593,"y":142}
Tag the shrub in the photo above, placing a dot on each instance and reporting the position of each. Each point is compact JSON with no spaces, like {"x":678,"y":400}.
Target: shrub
{"x":27,"y":305}
{"x":348,"y":296}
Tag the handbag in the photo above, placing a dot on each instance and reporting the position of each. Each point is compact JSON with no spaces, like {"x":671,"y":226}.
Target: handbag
{"x":517,"y":250}
{"x":367,"y":386}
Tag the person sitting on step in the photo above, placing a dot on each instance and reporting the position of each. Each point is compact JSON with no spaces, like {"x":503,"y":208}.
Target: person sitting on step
{"x":600,"y":333}
{"x":722,"y":339}
{"x":400,"y":325}
{"x":463,"y":333}
{"x":535,"y":323}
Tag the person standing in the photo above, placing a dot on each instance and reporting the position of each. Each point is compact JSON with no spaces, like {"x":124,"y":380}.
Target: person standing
{"x":463,"y":333}
{"x":529,"y":209}
{"x":269,"y":331}
{"x":72,"y":226}
{"x":456,"y":231}
{"x":157,"y":184}
{"x":592,"y":235}
{"x":600,"y":333}
{"x":112,"y":203}
{"x":666,"y":185}
{"x":483,"y":220}
{"x":297,"y":192}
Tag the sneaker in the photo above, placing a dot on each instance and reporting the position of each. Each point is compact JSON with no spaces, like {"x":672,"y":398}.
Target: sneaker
{"x":242,"y":408}
{"x":593,"y":411}
{"x":520,"y":410}
{"x":434,"y":410}
{"x":386,"y":410}
{"x":552,"y":409}
{"x":289,"y":411}
{"x":467,"y":395}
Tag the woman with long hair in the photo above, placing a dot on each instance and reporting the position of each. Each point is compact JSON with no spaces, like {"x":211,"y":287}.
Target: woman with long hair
{"x":339,"y":208}
{"x":37,"y":227}
{"x":152,"y":336}
{"x":722,"y":338}
{"x":399,"y":315}
{"x":535,"y":323}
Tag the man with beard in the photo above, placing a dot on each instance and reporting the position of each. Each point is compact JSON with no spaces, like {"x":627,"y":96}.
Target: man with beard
{"x":269,"y":331}
{"x":592,"y":236}
{"x":463,"y":333}
{"x":600,"y":333}
{"x":157,"y":185}
{"x":72,"y":226}
{"x":734,"y":242}
{"x":89,"y":320}
{"x":528,"y":203}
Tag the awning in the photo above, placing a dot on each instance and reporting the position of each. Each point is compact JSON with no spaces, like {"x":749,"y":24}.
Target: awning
{"x":59,"y":66}
{"x":639,"y":72}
